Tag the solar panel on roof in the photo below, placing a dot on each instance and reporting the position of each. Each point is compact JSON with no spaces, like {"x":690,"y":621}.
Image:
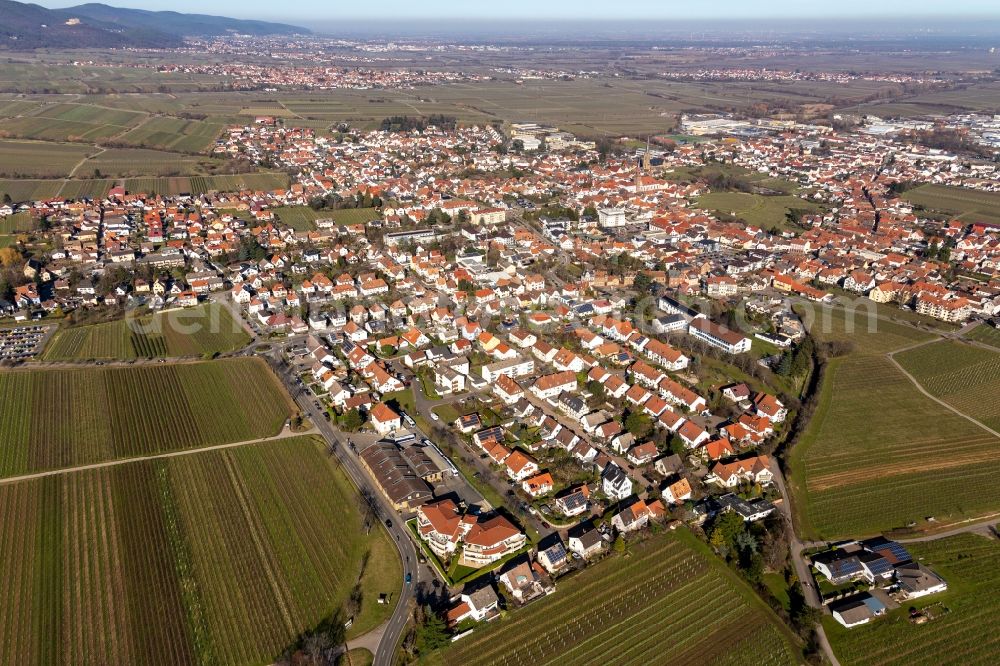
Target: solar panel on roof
{"x":850,"y":565}
{"x":899,"y":552}
{"x":879,"y":566}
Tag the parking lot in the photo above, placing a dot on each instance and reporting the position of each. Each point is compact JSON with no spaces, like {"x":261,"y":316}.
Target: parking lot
{"x":20,"y":343}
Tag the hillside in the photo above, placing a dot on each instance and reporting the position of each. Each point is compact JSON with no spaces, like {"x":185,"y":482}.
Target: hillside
{"x":174,"y":23}
{"x":28,"y":26}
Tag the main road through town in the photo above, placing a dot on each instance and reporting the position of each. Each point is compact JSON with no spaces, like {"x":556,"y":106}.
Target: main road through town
{"x":393,"y":629}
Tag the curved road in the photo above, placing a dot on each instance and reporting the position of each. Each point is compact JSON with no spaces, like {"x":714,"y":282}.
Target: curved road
{"x":979,"y":525}
{"x":809,"y":590}
{"x":393,"y":629}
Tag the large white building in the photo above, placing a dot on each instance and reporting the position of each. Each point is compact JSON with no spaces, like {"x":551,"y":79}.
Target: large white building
{"x":611,"y":217}
{"x":719,"y":336}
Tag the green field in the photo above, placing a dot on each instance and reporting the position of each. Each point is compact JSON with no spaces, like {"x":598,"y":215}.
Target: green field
{"x":962,"y":375}
{"x":10,"y":108}
{"x":863,"y":327}
{"x":966,"y":634}
{"x":60,"y":418}
{"x":222,"y":557}
{"x":178,"y":134}
{"x":756,"y":209}
{"x":46,"y":159}
{"x":123,"y":162}
{"x":969,"y":205}
{"x":203,"y":184}
{"x":67,"y":121}
{"x":30,"y":190}
{"x":300,"y":218}
{"x":985,"y":334}
{"x":350,"y":215}
{"x":33,"y":190}
{"x":303,"y":218}
{"x":670,"y":601}
{"x":86,"y":189}
{"x":17,"y":222}
{"x":877,"y":454}
{"x":275,"y":110}
{"x":40,"y":159}
{"x":207,"y":329}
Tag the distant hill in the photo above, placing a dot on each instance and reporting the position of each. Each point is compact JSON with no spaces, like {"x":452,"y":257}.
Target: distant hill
{"x":174,"y":23}
{"x":26,"y":26}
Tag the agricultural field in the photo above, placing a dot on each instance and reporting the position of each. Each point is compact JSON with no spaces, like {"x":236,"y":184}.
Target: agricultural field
{"x":121,"y":162}
{"x":60,"y":418}
{"x":590,"y":108}
{"x":168,"y":186}
{"x":877,"y":454}
{"x":300,"y":218}
{"x":10,"y":108}
{"x":273,"y":109}
{"x":236,"y":182}
{"x":86,"y":189}
{"x":350,"y":215}
{"x":756,"y":209}
{"x":34,"y":190}
{"x":29,"y":190}
{"x":215,"y":557}
{"x":963,"y":375}
{"x":985,"y":334}
{"x":18,"y":222}
{"x":67,"y":121}
{"x":968,"y":205}
{"x":176,"y":134}
{"x":865,"y":327}
{"x":207,"y":329}
{"x":690,"y":607}
{"x":40,"y":159}
{"x":203,"y":184}
{"x":887,"y":312}
{"x":965,"y":630}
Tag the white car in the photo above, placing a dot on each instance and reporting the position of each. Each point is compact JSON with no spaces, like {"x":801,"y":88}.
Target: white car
{"x":435,"y":417}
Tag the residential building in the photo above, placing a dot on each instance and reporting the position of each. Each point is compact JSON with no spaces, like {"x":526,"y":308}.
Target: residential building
{"x":489,"y":540}
{"x":719,"y":336}
{"x":615,"y":482}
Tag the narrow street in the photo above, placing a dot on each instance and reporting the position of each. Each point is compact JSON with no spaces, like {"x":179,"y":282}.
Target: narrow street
{"x":809,"y":590}
{"x":637,"y":475}
{"x":487,"y":474}
{"x":392,"y":630}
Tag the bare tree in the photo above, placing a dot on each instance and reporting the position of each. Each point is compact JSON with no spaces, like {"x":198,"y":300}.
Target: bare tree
{"x":370,"y":509}
{"x":354,"y":601}
{"x":315,"y":646}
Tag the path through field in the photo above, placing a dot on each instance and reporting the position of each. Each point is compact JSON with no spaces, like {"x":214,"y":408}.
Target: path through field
{"x":72,"y":172}
{"x":285,"y":434}
{"x":891,"y":357}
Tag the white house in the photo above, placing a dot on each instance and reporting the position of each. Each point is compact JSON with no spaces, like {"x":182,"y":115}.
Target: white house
{"x":615,"y":482}
{"x":384,"y":419}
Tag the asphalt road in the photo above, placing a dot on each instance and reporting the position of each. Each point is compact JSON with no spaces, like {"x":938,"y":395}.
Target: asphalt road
{"x":393,"y":629}
{"x":801,"y":567}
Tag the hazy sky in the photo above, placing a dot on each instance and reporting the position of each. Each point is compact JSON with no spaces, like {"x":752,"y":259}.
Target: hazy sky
{"x":301,"y":11}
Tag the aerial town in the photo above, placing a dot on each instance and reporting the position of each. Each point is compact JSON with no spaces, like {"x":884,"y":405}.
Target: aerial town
{"x":385,"y":371}
{"x":566,"y":314}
